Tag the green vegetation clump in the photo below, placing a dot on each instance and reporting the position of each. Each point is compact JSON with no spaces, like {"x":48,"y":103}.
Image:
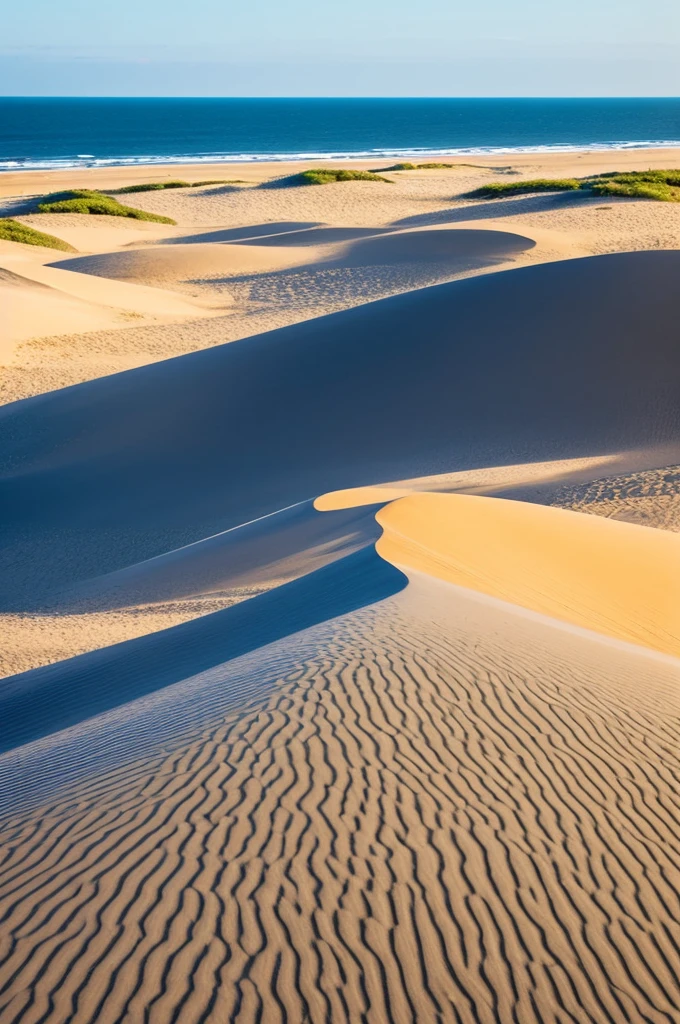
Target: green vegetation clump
{"x":418,"y":167}
{"x":152,"y":186}
{"x":219,"y":181}
{"x":13,"y":231}
{"x":324,"y":176}
{"x":518,"y":188}
{"x":157,"y":186}
{"x":663,"y":186}
{"x":87,"y":201}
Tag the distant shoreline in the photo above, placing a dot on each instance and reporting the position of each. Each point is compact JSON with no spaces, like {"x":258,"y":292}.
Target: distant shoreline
{"x":563,"y":163}
{"x":91,"y":163}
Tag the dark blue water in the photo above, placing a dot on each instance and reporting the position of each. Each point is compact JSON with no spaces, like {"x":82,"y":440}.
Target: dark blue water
{"x":39,"y":133}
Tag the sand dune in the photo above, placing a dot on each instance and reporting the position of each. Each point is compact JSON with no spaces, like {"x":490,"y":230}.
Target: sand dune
{"x":97,"y":234}
{"x":178,"y":585}
{"x":185,"y":263}
{"x":46,"y":700}
{"x":201,"y":263}
{"x":648,"y":497}
{"x":250,"y":232}
{"x":277,"y":548}
{"x":430,"y":808}
{"x":460,"y":376}
{"x":42,"y":300}
{"x":29,"y":307}
{"x":615,"y":578}
{"x":118,"y":294}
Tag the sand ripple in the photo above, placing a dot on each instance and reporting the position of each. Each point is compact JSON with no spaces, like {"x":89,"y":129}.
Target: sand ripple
{"x":442,"y":811}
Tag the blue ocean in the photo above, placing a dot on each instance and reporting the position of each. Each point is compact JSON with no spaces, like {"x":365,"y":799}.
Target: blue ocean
{"x":40,"y":133}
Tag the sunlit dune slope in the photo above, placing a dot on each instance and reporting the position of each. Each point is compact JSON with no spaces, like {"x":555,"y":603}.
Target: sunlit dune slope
{"x":182,"y":263}
{"x":612,"y":577}
{"x":41,"y":300}
{"x":563,"y":360}
{"x":30,"y":308}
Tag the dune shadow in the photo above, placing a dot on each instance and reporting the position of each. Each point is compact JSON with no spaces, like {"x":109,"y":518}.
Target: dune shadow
{"x":284,"y":546}
{"x":42,"y":701}
{"x":317,"y":236}
{"x":253,"y":231}
{"x":462,"y":248}
{"x":286,"y":181}
{"x":491,"y":209}
{"x":432,"y":256}
{"x":20,"y":206}
{"x":225,"y":189}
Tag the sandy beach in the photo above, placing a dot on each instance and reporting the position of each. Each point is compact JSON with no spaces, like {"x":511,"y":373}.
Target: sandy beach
{"x":341,"y":599}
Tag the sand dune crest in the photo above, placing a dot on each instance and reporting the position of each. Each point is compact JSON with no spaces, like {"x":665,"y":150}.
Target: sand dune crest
{"x":462,"y":375}
{"x":611,"y":577}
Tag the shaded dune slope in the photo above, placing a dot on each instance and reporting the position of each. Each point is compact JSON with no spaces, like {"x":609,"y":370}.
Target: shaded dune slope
{"x":472,"y":373}
{"x":45,"y":700}
{"x":436,"y":809}
{"x":279,"y":547}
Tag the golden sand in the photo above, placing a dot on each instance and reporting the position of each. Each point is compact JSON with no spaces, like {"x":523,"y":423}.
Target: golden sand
{"x":612,"y":577}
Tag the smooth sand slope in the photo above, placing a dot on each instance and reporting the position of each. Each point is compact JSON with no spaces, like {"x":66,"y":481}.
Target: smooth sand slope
{"x":183,"y":264}
{"x":44,"y":300}
{"x":29,"y":306}
{"x":469,"y":374}
{"x":615,"y":578}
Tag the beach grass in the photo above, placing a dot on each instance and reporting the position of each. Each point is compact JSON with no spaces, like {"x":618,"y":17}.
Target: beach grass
{"x":13,"y":231}
{"x":152,"y":186}
{"x":662,"y":185}
{"x":158,"y":186}
{"x":517,"y":188}
{"x":325,"y":176}
{"x":420,"y":167}
{"x":219,"y":181}
{"x":86,"y":201}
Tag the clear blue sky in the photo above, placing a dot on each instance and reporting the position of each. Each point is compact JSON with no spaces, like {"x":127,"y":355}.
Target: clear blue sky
{"x":340,"y":48}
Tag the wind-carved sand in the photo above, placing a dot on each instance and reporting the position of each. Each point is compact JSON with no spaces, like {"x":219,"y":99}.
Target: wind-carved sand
{"x":375,"y":703}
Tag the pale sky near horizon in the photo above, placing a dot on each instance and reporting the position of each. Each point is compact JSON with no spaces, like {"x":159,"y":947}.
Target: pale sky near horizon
{"x":352,"y":48}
